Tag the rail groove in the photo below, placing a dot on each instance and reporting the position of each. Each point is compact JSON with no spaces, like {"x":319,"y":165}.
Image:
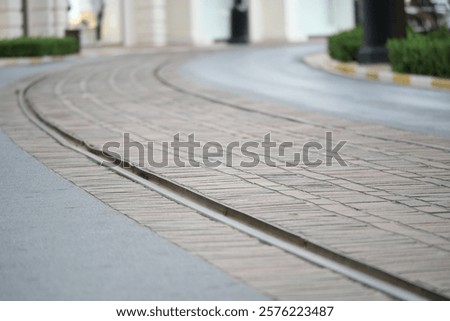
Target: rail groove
{"x":383,"y":281}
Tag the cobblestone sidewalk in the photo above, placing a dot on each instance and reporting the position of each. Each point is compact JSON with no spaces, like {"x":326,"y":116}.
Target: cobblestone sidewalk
{"x":388,"y":208}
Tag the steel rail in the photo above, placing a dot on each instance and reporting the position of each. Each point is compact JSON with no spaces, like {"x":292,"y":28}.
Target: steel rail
{"x":383,"y":281}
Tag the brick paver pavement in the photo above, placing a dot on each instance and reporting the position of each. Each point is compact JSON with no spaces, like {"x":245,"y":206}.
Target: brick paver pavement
{"x":272,"y":271}
{"x":388,"y":208}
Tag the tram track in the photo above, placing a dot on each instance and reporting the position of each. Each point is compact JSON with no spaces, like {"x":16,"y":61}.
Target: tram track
{"x":383,"y":281}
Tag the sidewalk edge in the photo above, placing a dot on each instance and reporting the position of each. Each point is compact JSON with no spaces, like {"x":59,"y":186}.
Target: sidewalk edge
{"x":6,"y":62}
{"x":324,"y":62}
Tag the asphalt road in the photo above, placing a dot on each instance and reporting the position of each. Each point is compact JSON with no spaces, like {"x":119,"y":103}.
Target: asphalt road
{"x":278,"y":74}
{"x":57,"y":242}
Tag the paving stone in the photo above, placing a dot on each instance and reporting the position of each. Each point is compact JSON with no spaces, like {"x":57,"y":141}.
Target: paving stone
{"x":392,"y":175}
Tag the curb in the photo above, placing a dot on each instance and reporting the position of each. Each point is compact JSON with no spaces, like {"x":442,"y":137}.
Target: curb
{"x":89,"y":53}
{"x":96,"y":53}
{"x":6,"y":62}
{"x":324,"y":62}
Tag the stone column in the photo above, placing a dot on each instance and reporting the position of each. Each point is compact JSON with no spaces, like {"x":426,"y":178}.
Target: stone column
{"x":128,"y":21}
{"x":11,"y":19}
{"x":144,"y":22}
{"x":180,"y":22}
{"x":47,"y":18}
{"x":275,"y":21}
{"x":186,"y":23}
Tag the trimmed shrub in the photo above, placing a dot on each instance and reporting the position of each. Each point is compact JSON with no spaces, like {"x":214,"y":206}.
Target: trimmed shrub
{"x":421,"y":54}
{"x":37,"y":47}
{"x":344,"y":46}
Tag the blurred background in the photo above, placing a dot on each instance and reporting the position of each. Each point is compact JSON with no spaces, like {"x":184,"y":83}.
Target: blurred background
{"x":198,"y":22}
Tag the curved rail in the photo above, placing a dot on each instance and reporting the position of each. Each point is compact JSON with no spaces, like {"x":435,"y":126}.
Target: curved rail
{"x":383,"y":281}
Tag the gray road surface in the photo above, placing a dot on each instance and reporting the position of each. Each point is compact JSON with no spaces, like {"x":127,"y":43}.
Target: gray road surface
{"x":278,"y":74}
{"x":57,"y":242}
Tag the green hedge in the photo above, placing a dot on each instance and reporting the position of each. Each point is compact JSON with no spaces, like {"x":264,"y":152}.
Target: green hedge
{"x":344,"y":46}
{"x":427,"y":54}
{"x":36,"y":47}
{"x":421,"y":54}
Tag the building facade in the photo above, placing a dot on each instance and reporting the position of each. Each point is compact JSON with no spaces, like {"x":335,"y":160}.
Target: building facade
{"x":32,"y":18}
{"x":178,"y":22}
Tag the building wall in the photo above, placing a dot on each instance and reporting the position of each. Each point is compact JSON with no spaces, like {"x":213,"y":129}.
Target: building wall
{"x":214,"y":20}
{"x":325,"y":17}
{"x":150,"y":22}
{"x":144,"y":22}
{"x":344,"y":13}
{"x":187,"y":22}
{"x":180,"y":21}
{"x":297,"y":20}
{"x":47,"y":17}
{"x":295,"y":30}
{"x":10,"y":18}
{"x":267,"y":20}
{"x":112,"y":22}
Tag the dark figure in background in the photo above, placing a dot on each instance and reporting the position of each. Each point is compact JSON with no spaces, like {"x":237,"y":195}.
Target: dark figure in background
{"x":239,"y":22}
{"x":98,"y":31}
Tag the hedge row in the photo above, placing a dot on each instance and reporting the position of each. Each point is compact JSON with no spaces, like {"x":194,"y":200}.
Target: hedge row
{"x":418,"y":54}
{"x":344,"y":46}
{"x":421,"y":54}
{"x":37,"y":47}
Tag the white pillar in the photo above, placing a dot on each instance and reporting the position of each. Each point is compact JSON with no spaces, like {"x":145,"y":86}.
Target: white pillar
{"x":211,"y":21}
{"x":325,"y":17}
{"x":129,"y":26}
{"x":47,"y":17}
{"x":198,"y":22}
{"x":144,"y":22}
{"x":267,"y":21}
{"x":38,"y":18}
{"x":275,"y":21}
{"x":198,"y":14}
{"x":294,"y":29}
{"x":11,"y":19}
{"x":255,"y":21}
{"x":112,"y":28}
{"x":159,"y":31}
{"x":180,"y":21}
{"x":59,"y":17}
